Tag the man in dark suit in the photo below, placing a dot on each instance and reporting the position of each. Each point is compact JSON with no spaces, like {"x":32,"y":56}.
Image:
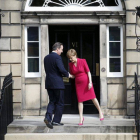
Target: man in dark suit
{"x":54,"y":84}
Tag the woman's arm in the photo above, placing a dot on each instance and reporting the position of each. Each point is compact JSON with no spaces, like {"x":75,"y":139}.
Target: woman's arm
{"x":90,"y":81}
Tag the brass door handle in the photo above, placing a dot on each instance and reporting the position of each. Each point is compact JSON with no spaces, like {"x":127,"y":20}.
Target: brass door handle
{"x":66,"y":79}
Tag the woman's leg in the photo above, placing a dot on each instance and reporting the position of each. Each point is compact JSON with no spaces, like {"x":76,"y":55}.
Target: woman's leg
{"x":80,"y":107}
{"x":96,"y":103}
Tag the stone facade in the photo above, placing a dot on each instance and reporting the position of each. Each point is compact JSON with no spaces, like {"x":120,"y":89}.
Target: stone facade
{"x":132,"y":56}
{"x":29,"y":94}
{"x":10,"y":47}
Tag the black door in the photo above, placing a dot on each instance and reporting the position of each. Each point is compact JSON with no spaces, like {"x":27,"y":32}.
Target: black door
{"x":85,"y":40}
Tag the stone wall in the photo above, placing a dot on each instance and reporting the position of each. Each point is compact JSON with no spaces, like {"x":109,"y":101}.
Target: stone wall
{"x":132,"y":56}
{"x":10,"y":48}
{"x":29,"y":94}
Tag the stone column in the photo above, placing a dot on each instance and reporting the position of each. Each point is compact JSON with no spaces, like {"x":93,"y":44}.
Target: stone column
{"x":44,"y":52}
{"x":103,"y":66}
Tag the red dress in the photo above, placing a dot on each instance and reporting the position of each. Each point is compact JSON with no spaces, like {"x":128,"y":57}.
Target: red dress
{"x":82,"y":80}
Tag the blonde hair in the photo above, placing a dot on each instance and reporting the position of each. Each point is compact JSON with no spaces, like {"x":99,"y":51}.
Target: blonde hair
{"x":71,"y":52}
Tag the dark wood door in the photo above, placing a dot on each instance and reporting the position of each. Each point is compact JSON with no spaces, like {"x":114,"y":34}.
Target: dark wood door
{"x":85,"y":40}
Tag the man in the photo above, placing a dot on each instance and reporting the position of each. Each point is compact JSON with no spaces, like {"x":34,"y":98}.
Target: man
{"x":54,"y":84}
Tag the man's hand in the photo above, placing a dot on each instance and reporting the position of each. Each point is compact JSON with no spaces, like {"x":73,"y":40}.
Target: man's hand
{"x":71,"y":76}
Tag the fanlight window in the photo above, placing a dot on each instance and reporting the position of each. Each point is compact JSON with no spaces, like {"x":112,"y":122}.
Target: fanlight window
{"x":73,"y":5}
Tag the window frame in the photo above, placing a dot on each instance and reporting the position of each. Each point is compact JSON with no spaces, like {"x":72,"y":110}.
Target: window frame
{"x":115,"y":74}
{"x":76,"y":9}
{"x":32,"y":74}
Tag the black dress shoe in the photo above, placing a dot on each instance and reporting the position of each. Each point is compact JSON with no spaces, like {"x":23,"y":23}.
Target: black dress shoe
{"x":49,"y":125}
{"x":54,"y":123}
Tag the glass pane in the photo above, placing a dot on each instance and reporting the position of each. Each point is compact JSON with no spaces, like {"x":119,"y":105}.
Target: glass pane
{"x":115,"y":64}
{"x":114,"y":48}
{"x":33,"y":49}
{"x":79,"y":3}
{"x":33,"y":64}
{"x":33,"y":34}
{"x":114,"y":34}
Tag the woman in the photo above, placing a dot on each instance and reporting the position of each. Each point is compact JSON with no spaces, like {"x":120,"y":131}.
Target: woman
{"x":84,"y":88}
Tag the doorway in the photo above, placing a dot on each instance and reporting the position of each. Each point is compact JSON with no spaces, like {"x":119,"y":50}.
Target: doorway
{"x":85,"y":40}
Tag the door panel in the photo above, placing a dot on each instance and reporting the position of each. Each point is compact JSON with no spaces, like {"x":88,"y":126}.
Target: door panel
{"x":85,"y":40}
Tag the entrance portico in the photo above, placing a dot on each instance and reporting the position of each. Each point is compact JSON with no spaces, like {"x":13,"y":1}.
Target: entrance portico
{"x":111,"y":102}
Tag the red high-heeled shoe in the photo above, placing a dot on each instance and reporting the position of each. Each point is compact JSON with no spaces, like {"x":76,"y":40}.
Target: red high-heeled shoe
{"x":82,"y":122}
{"x":101,"y":119}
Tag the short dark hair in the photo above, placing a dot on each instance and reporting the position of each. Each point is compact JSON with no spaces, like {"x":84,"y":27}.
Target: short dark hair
{"x":56,"y":45}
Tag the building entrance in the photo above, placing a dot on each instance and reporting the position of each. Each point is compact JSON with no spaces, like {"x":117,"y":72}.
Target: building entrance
{"x":85,"y":40}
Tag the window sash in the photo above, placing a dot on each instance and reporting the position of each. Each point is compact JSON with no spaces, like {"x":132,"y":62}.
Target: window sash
{"x":32,"y":74}
{"x":115,"y":74}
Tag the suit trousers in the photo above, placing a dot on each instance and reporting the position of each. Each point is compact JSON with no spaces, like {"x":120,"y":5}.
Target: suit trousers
{"x":56,"y":105}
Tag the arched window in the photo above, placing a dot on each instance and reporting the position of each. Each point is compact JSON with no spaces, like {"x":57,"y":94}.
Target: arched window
{"x":73,"y":5}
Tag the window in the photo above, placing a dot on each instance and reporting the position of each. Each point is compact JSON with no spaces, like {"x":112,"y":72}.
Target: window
{"x":32,"y":51}
{"x":73,"y":5}
{"x":114,"y":51}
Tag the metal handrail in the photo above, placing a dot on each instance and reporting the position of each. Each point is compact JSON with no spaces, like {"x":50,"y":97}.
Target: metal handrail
{"x":6,"y":105}
{"x":137,"y":100}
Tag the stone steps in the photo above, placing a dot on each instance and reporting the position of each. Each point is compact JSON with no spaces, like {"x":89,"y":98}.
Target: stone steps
{"x":72,"y":136}
{"x":110,"y":129}
{"x":91,"y":125}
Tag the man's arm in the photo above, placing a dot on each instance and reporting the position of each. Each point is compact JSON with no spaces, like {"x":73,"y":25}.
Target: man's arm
{"x":61,"y":68}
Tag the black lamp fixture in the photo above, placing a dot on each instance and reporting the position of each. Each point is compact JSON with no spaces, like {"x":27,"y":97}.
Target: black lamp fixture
{"x":137,"y":24}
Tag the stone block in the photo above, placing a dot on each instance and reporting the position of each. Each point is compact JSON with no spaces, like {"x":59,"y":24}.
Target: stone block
{"x":16,"y":95}
{"x":15,"y":44}
{"x":115,"y":80}
{"x":130,"y":17}
{"x":130,"y":108}
{"x":130,"y":30}
{"x":4,"y":69}
{"x":11,"y":57}
{"x":70,"y":136}
{"x":131,"y":69}
{"x":10,"y":4}
{"x":32,"y":96}
{"x":16,"y":69}
{"x":32,"y":80}
{"x":5,"y":44}
{"x":63,"y":20}
{"x":131,"y":96}
{"x":11,"y":30}
{"x":116,"y":96}
{"x":115,"y":112}
{"x":30,"y":112}
{"x":131,"y":4}
{"x":15,"y":17}
{"x":131,"y":43}
{"x":16,"y":109}
{"x":16,"y":82}
{"x":5,"y":19}
{"x":132,"y":56}
{"x":32,"y":20}
{"x":130,"y":82}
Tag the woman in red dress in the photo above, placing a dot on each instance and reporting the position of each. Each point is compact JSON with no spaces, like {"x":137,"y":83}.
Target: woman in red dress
{"x":83,"y":83}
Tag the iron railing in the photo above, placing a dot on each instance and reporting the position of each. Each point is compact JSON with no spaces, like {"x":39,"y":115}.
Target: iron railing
{"x":137,"y":104}
{"x":6,"y":105}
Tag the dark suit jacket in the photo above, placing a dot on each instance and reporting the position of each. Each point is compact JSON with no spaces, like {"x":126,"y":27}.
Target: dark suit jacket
{"x":54,"y":69}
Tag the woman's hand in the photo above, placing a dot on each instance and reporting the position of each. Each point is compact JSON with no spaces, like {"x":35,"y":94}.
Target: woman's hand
{"x":89,"y":86}
{"x":72,"y":76}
